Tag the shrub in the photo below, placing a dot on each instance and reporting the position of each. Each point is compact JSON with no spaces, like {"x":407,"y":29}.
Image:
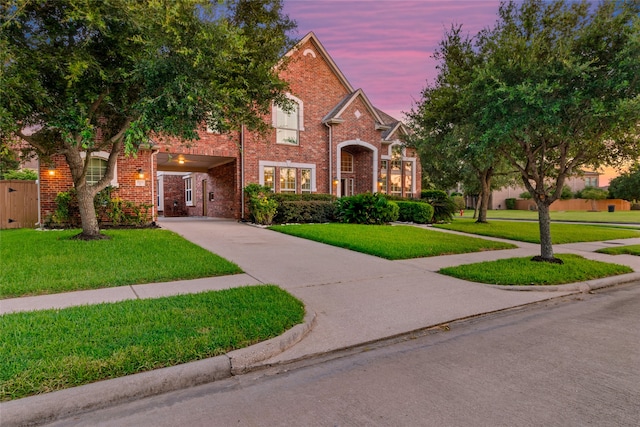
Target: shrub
{"x":525,"y":195}
{"x":302,"y":211}
{"x":112,"y":209}
{"x":262,"y":205}
{"x":443,"y":205}
{"x":420,"y":213}
{"x":367,"y":208}
{"x":290,"y":197}
{"x":23,"y":175}
{"x":566,"y":193}
{"x":510,"y":203}
{"x":459,"y":201}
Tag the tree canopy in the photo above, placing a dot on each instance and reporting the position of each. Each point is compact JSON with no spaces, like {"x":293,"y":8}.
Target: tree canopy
{"x":627,"y":185}
{"x":556,"y":88}
{"x":86,"y":76}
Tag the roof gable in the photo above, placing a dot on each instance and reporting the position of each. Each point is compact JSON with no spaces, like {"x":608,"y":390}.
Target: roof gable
{"x":335,"y":115}
{"x":311,"y":37}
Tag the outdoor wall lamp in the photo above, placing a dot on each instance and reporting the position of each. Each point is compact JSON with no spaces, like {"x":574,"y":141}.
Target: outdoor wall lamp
{"x":52,"y":170}
{"x":140,"y":173}
{"x":335,"y":181}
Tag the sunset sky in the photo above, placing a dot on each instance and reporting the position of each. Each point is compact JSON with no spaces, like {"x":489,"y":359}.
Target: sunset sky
{"x":385,"y":46}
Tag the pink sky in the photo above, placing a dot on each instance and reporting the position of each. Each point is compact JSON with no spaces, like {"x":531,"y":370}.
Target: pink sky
{"x":385,"y":46}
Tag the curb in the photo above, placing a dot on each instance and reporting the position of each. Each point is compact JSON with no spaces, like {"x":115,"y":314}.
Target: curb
{"x":44,"y":408}
{"x":587,"y":286}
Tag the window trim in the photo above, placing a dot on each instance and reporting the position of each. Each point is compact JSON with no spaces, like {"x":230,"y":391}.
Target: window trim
{"x":267,"y":163}
{"x":293,"y":190}
{"x":188,"y":190}
{"x":104,"y":155}
{"x":274,"y":121}
{"x":346,"y":155}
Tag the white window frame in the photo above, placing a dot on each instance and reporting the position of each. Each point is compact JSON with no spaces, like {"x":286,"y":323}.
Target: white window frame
{"x":293,"y":189}
{"x":268,"y":163}
{"x":305,"y":187}
{"x":403,"y":157}
{"x":346,"y":155}
{"x":273,"y":177}
{"x":300,"y":126}
{"x":188,"y":190}
{"x":103,"y":155}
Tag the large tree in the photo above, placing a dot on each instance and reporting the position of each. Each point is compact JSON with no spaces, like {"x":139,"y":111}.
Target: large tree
{"x":85,"y":76}
{"x":559,"y":91}
{"x":444,"y":132}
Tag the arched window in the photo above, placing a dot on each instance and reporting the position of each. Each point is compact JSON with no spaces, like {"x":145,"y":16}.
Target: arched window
{"x":97,"y":169}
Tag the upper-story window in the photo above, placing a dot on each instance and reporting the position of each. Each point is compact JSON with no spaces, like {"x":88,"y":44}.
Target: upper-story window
{"x":289,"y":122}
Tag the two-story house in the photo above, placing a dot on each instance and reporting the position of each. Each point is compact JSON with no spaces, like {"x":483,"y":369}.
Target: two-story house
{"x":333,"y":141}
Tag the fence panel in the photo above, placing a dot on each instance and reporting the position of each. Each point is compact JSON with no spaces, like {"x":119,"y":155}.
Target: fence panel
{"x":18,"y":204}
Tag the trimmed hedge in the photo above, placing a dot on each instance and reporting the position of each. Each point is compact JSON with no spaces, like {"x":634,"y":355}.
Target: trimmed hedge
{"x":302,"y":211}
{"x":420,"y":213}
{"x":367,"y":208}
{"x":510,"y":203}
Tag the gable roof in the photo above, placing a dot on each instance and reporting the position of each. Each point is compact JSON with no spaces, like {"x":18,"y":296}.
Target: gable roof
{"x":311,"y":37}
{"x":334,"y":115}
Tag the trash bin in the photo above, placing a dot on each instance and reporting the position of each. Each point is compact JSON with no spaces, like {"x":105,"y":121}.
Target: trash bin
{"x":612,"y":208}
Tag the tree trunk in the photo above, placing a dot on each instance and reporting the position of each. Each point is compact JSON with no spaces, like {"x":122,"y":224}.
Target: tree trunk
{"x":90,"y":228}
{"x":485,"y":194}
{"x":544,"y":221}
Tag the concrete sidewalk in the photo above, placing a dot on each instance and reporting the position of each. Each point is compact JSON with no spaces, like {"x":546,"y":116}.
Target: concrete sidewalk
{"x":351,"y":299}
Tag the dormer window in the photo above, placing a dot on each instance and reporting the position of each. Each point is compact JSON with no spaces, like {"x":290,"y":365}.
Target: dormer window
{"x":289,"y":123}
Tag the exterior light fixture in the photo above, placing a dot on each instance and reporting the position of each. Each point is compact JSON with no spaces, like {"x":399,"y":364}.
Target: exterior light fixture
{"x":335,"y":180}
{"x":181,"y":160}
{"x":52,"y":170}
{"x":140,"y":173}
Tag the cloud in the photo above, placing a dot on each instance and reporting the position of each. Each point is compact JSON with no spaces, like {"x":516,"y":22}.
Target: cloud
{"x":385,"y":47}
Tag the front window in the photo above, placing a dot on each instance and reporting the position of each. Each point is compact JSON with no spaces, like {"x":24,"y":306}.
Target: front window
{"x":383,"y":176}
{"x":288,"y":180}
{"x":188,"y":191}
{"x":287,"y":125}
{"x":408,"y":179}
{"x":269,"y":175}
{"x":305,"y":180}
{"x":395,"y":177}
{"x":97,"y":169}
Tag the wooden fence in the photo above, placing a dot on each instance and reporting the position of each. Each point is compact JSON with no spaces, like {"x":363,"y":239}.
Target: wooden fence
{"x":578,"y":205}
{"x":18,"y":204}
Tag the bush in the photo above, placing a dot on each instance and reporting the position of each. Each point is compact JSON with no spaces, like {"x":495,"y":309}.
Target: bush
{"x":420,"y":213}
{"x":367,"y":208}
{"x":290,"y":197}
{"x":525,"y":195}
{"x":23,"y":175}
{"x":443,"y":206}
{"x":459,"y":201}
{"x":301,"y":211}
{"x":110,"y":209}
{"x":262,"y":205}
{"x":566,"y":193}
{"x":510,"y":203}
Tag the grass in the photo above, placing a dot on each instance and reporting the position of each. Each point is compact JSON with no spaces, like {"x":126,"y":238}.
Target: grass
{"x":619,"y":217}
{"x":529,"y":231}
{"x":50,"y":350}
{"x":523,"y":271}
{"x":390,"y":242}
{"x":45,"y":262}
{"x":621,"y":250}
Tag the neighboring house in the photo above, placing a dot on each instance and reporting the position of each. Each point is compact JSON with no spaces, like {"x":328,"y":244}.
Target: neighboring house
{"x":334,"y":141}
{"x":576,"y":183}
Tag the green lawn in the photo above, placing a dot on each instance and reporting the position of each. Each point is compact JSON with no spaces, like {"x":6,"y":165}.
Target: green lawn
{"x":49,"y":350}
{"x":620,"y":217}
{"x":523,"y":271}
{"x":44,"y":262}
{"x":529,"y":231}
{"x":621,"y":250}
{"x":390,"y":242}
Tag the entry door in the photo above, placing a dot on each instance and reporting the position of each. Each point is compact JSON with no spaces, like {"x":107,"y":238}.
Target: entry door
{"x":204,"y":197}
{"x":346,"y":186}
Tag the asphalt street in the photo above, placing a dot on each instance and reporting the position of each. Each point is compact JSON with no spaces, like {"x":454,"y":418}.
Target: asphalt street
{"x":570,"y":361}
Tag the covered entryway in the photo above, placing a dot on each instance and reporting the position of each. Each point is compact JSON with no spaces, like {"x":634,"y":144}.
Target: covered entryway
{"x":357,"y":168}
{"x":197,"y":185}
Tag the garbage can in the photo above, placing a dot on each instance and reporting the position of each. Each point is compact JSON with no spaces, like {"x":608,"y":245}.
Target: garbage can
{"x":612,"y":208}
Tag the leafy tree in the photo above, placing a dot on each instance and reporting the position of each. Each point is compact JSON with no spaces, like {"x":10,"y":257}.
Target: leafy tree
{"x":87,"y":76}
{"x":627,"y":185}
{"x":593,"y":194}
{"x":446,"y":138}
{"x":558,"y":91}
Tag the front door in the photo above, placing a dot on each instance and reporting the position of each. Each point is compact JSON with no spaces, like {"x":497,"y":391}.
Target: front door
{"x":346,"y":186}
{"x":204,"y":197}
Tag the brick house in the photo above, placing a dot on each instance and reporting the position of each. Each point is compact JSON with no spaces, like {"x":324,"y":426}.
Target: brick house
{"x":334,"y":141}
